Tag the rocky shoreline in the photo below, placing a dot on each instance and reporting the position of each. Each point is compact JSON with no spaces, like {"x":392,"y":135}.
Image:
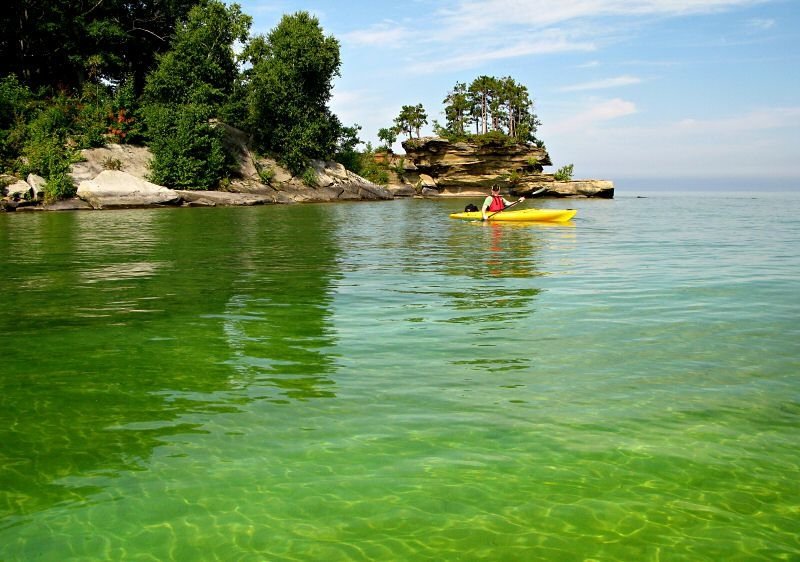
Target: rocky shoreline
{"x":115,"y":177}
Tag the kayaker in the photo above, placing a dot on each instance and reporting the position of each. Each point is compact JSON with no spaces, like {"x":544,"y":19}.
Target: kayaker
{"x":495,"y":202}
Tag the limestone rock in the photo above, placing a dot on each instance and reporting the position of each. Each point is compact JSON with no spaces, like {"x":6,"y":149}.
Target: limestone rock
{"x":427,"y":182}
{"x":134,"y":160}
{"x":115,"y":189}
{"x":573,"y":188}
{"x":469,"y":168}
{"x":37,"y":184}
{"x":19,"y":190}
{"x":401,"y":190}
{"x":458,"y":167}
{"x":223,"y":198}
{"x":74,"y":204}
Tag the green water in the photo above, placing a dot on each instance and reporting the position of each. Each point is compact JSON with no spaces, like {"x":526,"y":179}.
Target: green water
{"x":375,"y":381}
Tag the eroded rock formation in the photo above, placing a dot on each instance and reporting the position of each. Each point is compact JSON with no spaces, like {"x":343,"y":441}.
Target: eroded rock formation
{"x":440,"y":167}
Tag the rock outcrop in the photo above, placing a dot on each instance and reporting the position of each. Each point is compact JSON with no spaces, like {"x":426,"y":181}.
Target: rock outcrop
{"x":113,"y":189}
{"x":437,"y":166}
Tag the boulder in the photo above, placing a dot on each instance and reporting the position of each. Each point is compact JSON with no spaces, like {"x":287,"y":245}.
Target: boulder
{"x":134,"y":160}
{"x":427,"y":182}
{"x":573,"y":188}
{"x":401,"y":190}
{"x":73,"y":204}
{"x":112,"y":189}
{"x":19,"y":190}
{"x":37,"y":184}
{"x":223,"y":198}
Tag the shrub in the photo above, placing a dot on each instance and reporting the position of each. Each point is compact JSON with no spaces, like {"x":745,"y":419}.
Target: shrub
{"x":310,"y":177}
{"x":59,"y":186}
{"x":110,"y":163}
{"x":188,"y":151}
{"x":266,"y":174}
{"x":564,"y":173}
{"x":497,"y":138}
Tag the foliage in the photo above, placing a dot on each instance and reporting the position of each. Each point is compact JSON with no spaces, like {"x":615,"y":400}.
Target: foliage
{"x":371,"y":169}
{"x":309,"y":177}
{"x":110,"y":163}
{"x":411,"y":119}
{"x":188,"y":151}
{"x":496,"y":138}
{"x":266,"y":174}
{"x":184,"y":93}
{"x":15,"y":106}
{"x":201,"y":67}
{"x":490,"y":104}
{"x":290,"y":84}
{"x":389,"y":136}
{"x":59,"y":186}
{"x":564,"y":173}
{"x":346,"y":153}
{"x":69,"y":43}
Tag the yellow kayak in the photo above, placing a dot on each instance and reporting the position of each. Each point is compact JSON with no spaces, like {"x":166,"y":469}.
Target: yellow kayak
{"x":547,"y":215}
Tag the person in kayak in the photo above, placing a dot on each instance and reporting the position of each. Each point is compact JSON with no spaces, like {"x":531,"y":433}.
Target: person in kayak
{"x":495,"y":202}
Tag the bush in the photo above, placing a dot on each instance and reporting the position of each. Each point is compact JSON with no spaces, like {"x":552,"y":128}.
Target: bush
{"x":188,"y":151}
{"x":310,"y":177}
{"x":110,"y":163}
{"x":59,"y":186}
{"x":564,"y":173}
{"x":266,"y":174}
{"x":496,"y":138}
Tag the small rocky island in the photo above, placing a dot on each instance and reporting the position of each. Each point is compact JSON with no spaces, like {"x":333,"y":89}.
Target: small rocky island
{"x":442,"y":167}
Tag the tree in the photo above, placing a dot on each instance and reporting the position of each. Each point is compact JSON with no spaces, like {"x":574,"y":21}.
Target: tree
{"x":61,"y":42}
{"x":186,"y":91}
{"x":481,"y":92}
{"x":388,"y":135}
{"x":411,"y":119}
{"x":457,"y":108}
{"x":201,"y":67}
{"x":495,"y":104}
{"x":289,"y":88}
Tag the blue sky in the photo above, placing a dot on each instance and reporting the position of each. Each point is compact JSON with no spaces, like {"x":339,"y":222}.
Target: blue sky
{"x":658,"y":89}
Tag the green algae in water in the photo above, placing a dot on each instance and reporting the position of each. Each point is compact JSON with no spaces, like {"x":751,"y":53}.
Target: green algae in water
{"x":377,"y":382}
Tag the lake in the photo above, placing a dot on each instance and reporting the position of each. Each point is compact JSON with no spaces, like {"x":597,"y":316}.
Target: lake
{"x":376,"y":381}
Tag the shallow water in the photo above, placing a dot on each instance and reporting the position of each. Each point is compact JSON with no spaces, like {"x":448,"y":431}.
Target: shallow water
{"x":375,"y":381}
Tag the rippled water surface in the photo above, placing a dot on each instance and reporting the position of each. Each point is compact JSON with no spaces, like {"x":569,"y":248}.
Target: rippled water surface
{"x":376,"y":381}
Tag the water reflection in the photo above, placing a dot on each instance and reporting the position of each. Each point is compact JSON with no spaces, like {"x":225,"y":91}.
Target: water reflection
{"x":277,"y":319}
{"x":132,"y":327}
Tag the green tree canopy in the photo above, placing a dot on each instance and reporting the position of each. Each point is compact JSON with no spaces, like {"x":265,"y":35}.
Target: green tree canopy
{"x":290,"y":85}
{"x":492,"y":104}
{"x":411,"y":119}
{"x":187,"y":90}
{"x":201,"y":67}
{"x":67,"y":42}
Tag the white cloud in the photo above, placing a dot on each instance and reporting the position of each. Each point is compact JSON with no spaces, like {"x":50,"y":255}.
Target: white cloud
{"x":385,"y":34}
{"x":602,"y":111}
{"x":472,"y":15}
{"x":603,"y":84}
{"x":760,"y":24}
{"x":482,"y":54}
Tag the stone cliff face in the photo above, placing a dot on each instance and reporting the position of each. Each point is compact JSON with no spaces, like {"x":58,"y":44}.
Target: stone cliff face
{"x":441,"y":167}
